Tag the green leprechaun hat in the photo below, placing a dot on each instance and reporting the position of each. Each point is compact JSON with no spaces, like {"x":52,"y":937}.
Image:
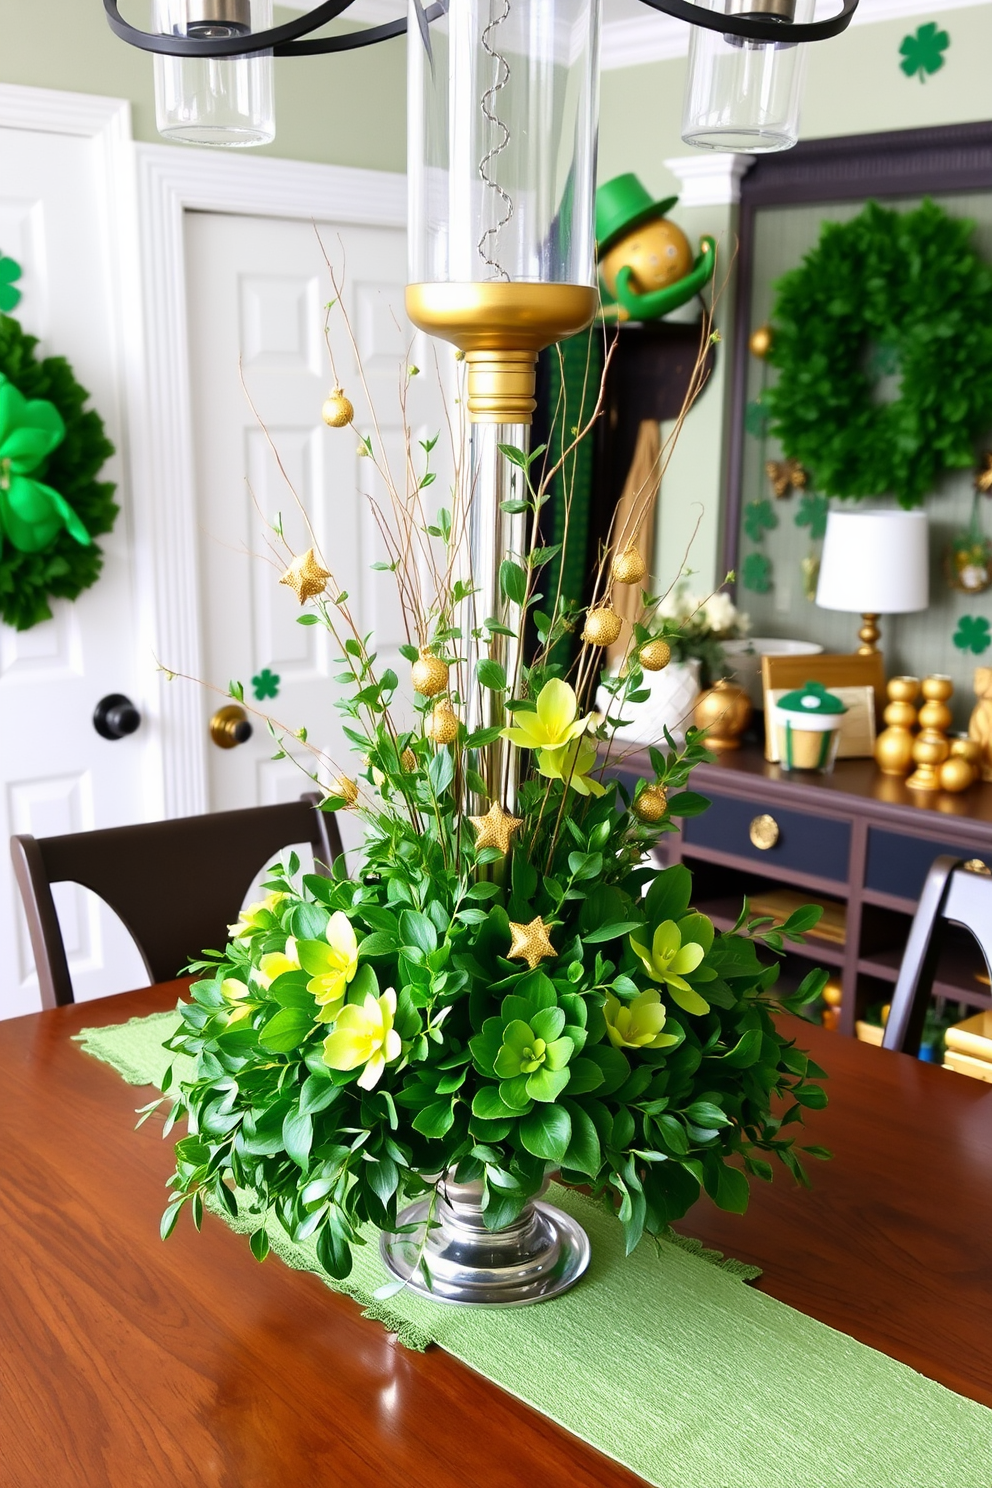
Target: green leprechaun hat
{"x":622,"y":205}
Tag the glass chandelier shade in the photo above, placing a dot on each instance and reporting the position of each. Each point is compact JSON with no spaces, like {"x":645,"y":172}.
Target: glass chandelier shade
{"x":744,"y":95}
{"x":214,"y":100}
{"x":502,"y":121}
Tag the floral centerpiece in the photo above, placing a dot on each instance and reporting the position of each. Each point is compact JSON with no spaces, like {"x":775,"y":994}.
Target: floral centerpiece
{"x":696,"y":627}
{"x":506,"y":986}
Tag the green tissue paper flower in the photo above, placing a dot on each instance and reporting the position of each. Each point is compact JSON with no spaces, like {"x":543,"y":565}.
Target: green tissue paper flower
{"x":533,"y":1058}
{"x":31,"y":514}
{"x":10,"y":297}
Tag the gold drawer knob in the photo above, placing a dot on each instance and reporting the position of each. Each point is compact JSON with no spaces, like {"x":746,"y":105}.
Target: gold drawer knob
{"x":763,"y":832}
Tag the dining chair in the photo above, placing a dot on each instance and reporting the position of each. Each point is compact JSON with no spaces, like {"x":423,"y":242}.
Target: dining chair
{"x":175,"y":884}
{"x":956,"y":893}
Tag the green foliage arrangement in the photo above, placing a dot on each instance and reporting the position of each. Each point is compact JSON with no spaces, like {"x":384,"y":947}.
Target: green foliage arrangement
{"x":360,"y":1036}
{"x":906,"y":284}
{"x":70,"y":561}
{"x":506,"y":986}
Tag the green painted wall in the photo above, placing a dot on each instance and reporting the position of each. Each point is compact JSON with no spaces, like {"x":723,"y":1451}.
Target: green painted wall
{"x":854,"y":85}
{"x":347,"y":110}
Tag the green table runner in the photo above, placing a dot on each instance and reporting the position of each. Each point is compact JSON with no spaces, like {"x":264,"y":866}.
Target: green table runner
{"x":666,"y":1362}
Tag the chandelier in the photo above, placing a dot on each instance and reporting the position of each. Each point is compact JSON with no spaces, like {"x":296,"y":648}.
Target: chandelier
{"x":214,"y":59}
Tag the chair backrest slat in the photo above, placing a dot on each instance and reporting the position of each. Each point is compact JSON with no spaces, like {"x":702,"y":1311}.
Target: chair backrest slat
{"x":176,"y":884}
{"x":952,"y":894}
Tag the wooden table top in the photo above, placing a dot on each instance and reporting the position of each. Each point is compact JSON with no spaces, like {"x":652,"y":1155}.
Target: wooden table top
{"x":128,"y":1363}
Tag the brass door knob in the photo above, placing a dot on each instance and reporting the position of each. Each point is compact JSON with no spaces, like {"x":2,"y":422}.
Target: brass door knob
{"x":763,"y":832}
{"x":230,"y":727}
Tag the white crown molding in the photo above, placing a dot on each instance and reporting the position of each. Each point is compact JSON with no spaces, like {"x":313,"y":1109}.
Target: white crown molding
{"x":654,"y":37}
{"x":172,"y":180}
{"x":709,"y":179}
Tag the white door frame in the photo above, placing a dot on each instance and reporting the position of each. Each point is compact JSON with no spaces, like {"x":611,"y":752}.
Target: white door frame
{"x":172,"y":180}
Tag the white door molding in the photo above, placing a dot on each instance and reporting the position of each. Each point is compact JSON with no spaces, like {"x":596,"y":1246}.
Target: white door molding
{"x":172,"y":180}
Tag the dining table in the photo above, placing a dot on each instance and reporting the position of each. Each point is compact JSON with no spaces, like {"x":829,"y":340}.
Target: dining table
{"x":126,"y":1362}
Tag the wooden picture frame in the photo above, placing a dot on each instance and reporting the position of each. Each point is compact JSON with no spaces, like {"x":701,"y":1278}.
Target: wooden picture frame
{"x":862,"y":674}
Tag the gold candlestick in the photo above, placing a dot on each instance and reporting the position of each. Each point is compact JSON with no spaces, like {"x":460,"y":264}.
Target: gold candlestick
{"x":894,"y":745}
{"x":932,"y":748}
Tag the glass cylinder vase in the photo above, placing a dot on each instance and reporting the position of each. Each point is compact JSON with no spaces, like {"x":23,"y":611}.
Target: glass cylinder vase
{"x":214,"y":100}
{"x":745,"y":95}
{"x":502,"y":116}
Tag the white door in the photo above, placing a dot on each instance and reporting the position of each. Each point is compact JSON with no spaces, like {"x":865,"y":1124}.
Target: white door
{"x":257,"y":288}
{"x":56,"y":774}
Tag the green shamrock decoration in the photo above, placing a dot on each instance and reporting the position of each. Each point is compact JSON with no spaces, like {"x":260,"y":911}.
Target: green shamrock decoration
{"x":759,"y":518}
{"x":973,"y":634}
{"x":266,"y":684}
{"x":756,"y":573}
{"x":9,"y":296}
{"x":812,"y":513}
{"x":31,"y":514}
{"x":923,"y":51}
{"x":756,"y":419}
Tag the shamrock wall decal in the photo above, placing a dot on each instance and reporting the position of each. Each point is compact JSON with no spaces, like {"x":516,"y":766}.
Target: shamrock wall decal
{"x":756,"y":573}
{"x":759,"y":519}
{"x":9,"y":296}
{"x":756,"y":419}
{"x":973,"y":634}
{"x":812,"y":513}
{"x":922,"y":52}
{"x":31,"y":514}
{"x":266,"y":684}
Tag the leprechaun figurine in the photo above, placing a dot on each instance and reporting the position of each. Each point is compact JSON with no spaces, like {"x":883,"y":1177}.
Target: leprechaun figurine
{"x":645,"y":261}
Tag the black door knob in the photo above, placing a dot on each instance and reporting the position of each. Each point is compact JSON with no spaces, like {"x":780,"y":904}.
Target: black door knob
{"x":115,"y":716}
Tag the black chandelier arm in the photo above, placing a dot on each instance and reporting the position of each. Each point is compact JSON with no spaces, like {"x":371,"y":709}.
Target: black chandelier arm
{"x":755,"y":27}
{"x":278,"y":39}
{"x":365,"y":36}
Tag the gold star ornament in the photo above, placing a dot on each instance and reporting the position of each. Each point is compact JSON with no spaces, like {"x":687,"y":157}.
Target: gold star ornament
{"x":305,"y":576}
{"x":496,"y":828}
{"x":530,"y":943}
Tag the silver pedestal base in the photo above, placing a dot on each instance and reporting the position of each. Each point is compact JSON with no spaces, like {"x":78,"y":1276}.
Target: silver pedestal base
{"x":540,"y":1255}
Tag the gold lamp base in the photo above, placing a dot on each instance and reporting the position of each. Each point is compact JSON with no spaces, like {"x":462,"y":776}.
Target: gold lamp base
{"x":869,"y":635}
{"x":501,"y":327}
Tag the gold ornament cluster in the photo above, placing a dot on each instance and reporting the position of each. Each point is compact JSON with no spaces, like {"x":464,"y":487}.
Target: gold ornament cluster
{"x":941,"y":763}
{"x":429,"y":674}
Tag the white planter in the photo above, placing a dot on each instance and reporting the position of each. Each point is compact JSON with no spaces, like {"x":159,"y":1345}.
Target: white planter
{"x":745,"y":658}
{"x":673,"y":692}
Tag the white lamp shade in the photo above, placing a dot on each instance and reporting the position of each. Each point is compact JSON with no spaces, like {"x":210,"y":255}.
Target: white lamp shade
{"x":875,"y":563}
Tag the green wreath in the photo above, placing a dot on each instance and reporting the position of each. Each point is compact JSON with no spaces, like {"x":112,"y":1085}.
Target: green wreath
{"x":51,"y":503}
{"x":888,"y":292}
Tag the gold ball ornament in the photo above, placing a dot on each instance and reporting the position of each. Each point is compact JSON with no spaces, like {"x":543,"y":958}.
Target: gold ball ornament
{"x":956,"y":774}
{"x":429,"y":674}
{"x":657,"y":254}
{"x":345,"y":787}
{"x":760,"y":342}
{"x":338,"y":411}
{"x":651,"y":805}
{"x":654,"y":656}
{"x":968,"y":749}
{"x":408,"y":761}
{"x":602,"y":627}
{"x":894,"y":750}
{"x":629,"y":567}
{"x":441,"y":724}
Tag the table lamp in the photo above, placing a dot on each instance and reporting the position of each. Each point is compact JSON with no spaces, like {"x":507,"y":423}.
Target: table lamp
{"x":875,"y":563}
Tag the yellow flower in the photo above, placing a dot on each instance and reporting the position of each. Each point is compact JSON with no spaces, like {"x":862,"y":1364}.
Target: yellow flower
{"x":670,"y":961}
{"x":253,"y":918}
{"x":553,"y":724}
{"x":276,"y":963}
{"x":331,"y":966}
{"x":365,"y":1035}
{"x":235,"y":993}
{"x":572,"y":764}
{"x":637,"y":1024}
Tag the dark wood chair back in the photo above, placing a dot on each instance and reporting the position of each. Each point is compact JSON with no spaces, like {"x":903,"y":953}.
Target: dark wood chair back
{"x":954,"y":893}
{"x":176,"y":885}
